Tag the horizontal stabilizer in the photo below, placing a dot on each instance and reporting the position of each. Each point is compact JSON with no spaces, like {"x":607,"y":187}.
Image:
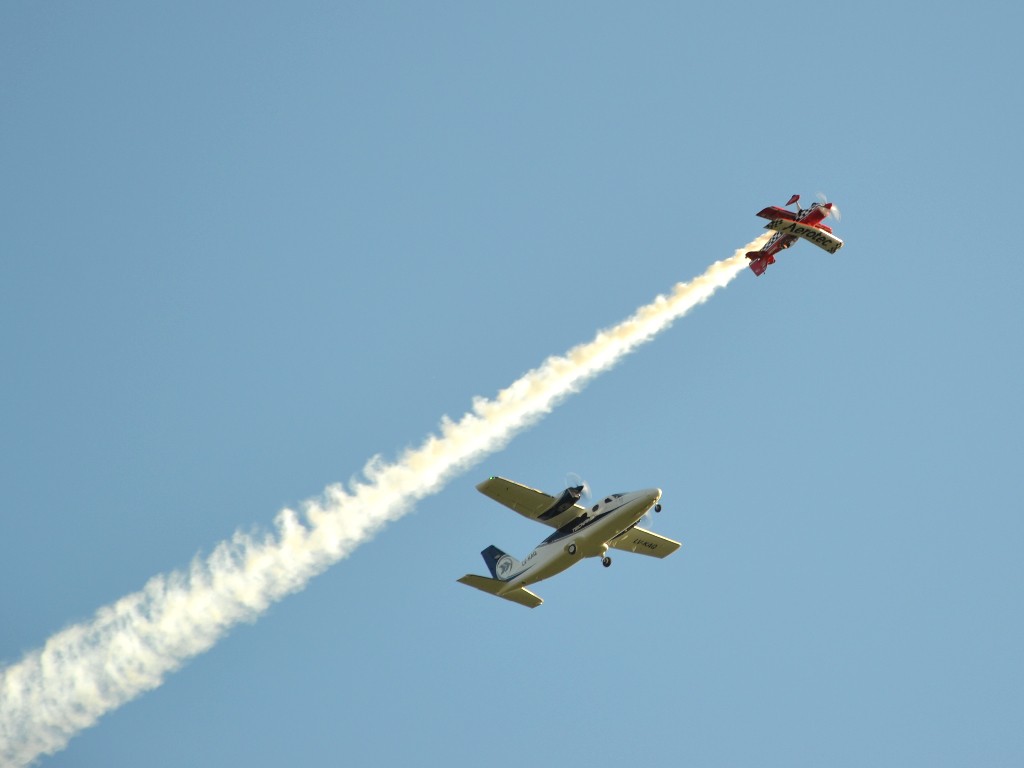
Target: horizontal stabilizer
{"x":521,"y":595}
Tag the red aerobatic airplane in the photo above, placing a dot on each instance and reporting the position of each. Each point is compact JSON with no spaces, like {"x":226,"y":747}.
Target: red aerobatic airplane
{"x":788,"y":226}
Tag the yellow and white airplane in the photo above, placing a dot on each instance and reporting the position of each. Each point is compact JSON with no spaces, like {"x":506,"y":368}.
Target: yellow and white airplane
{"x":579,"y":532}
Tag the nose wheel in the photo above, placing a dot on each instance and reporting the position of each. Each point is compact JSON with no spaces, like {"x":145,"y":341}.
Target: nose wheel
{"x":606,"y":561}
{"x":657,"y":507}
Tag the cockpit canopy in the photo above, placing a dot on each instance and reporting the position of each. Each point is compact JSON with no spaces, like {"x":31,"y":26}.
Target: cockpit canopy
{"x":607,"y":500}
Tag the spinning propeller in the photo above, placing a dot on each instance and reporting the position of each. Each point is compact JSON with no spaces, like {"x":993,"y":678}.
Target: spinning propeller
{"x":834,"y":211}
{"x":573,"y":480}
{"x":647,"y":521}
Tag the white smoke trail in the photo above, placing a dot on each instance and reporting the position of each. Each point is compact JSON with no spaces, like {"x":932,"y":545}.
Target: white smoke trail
{"x":127,"y":648}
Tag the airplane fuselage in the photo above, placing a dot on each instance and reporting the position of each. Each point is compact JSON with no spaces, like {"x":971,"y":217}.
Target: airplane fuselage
{"x":587,"y":535}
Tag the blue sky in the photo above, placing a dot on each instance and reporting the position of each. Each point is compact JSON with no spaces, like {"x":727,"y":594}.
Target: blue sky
{"x":246,"y":248}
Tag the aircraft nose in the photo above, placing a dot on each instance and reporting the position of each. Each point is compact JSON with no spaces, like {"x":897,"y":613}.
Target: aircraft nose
{"x":652,"y":495}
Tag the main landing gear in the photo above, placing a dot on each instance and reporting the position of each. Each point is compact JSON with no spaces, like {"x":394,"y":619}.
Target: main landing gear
{"x":606,"y":561}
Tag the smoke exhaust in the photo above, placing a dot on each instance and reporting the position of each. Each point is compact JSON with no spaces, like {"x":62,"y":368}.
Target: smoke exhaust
{"x":128,"y":647}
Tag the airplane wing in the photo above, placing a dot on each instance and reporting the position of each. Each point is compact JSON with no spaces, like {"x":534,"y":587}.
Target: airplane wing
{"x":528,"y":502}
{"x":643,"y":542}
{"x":812,"y":234}
{"x":774,"y":212}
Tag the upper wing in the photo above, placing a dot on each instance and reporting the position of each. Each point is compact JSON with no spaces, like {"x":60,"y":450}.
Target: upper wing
{"x":774,"y":212}
{"x":528,"y":502}
{"x":643,"y":542}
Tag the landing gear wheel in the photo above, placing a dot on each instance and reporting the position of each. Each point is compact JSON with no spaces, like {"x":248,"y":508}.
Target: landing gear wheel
{"x":607,"y":561}
{"x":571,"y":549}
{"x":657,"y":507}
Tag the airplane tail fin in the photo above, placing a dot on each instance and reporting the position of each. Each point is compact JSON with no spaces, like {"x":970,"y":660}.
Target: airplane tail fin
{"x":501,"y":565}
{"x":521,"y":595}
{"x":759,"y":262}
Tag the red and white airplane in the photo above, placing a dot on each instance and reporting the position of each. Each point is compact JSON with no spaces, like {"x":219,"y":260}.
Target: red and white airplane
{"x":788,"y":226}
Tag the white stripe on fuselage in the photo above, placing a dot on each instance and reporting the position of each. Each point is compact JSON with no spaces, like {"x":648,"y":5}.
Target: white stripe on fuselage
{"x":591,"y":538}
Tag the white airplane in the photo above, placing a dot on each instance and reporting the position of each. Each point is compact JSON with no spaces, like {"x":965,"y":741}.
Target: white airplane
{"x":579,"y":533}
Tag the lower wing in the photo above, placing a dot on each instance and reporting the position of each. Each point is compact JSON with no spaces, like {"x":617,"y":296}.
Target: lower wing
{"x":816,"y":235}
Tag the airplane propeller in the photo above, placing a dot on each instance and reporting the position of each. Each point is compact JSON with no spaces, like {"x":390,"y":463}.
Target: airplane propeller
{"x":648,"y":519}
{"x":573,"y":480}
{"x":834,"y":211}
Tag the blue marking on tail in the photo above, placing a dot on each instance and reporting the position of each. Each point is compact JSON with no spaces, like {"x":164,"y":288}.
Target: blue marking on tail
{"x":501,"y":565}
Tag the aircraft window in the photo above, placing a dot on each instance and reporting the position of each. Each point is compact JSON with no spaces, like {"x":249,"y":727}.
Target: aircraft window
{"x":595,"y":508}
{"x":608,"y":500}
{"x":616,"y":495}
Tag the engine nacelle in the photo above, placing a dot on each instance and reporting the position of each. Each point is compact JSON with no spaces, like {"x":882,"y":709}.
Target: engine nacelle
{"x":568,"y":498}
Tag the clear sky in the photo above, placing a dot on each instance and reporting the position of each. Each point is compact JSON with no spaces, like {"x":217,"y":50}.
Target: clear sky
{"x":246,"y":247}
